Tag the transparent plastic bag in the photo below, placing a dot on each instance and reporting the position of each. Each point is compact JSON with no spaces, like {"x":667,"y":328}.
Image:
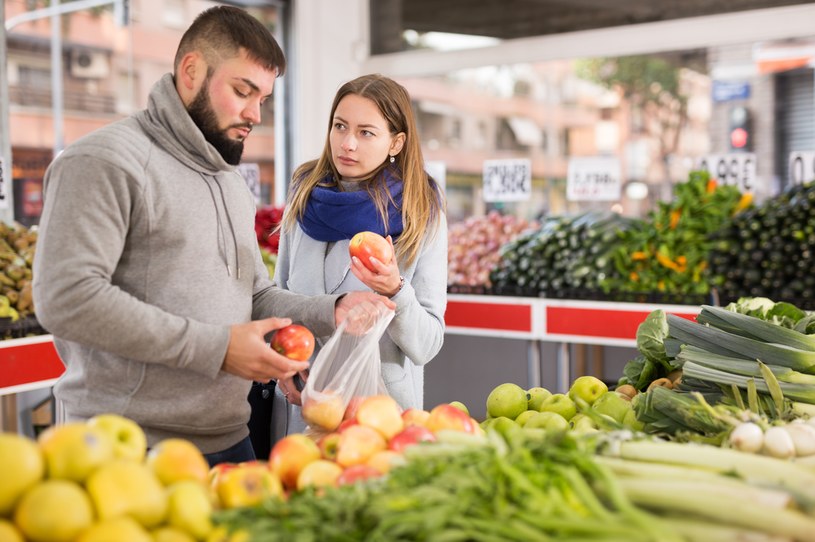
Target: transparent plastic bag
{"x":348,"y":366}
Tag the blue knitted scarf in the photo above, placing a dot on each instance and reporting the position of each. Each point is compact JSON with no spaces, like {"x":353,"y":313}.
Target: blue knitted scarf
{"x":332,"y":215}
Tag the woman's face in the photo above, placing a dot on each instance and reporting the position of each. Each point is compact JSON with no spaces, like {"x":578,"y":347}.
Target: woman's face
{"x":360,"y":139}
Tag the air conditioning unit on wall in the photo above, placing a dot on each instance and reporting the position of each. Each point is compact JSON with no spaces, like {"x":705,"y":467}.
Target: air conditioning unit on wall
{"x":89,"y":64}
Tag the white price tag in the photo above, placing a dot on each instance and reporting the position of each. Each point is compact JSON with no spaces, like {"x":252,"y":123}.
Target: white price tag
{"x":507,"y":180}
{"x":251,"y":174}
{"x":593,"y":179}
{"x":802,"y":167}
{"x":738,"y":168}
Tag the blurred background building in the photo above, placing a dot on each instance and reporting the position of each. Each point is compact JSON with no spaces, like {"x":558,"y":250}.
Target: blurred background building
{"x":656,"y":85}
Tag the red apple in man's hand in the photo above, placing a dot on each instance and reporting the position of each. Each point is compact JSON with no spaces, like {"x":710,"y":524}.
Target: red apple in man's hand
{"x":293,"y":341}
{"x":367,"y":244}
{"x":290,"y":455}
{"x":381,"y":412}
{"x":410,"y":435}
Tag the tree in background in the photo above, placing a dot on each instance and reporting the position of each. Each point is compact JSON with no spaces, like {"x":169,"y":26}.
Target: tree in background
{"x":653,"y":87}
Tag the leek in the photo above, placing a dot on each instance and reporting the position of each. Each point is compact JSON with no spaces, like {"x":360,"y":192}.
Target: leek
{"x":756,"y":327}
{"x":721,"y":342}
{"x":742,"y":366}
{"x":796,"y":392}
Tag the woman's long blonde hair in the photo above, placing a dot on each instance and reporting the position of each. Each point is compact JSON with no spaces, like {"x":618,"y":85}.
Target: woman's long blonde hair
{"x":422,"y":198}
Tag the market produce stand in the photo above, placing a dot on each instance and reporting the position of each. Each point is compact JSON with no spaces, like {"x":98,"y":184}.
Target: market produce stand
{"x":32,"y":363}
{"x":562,"y":321}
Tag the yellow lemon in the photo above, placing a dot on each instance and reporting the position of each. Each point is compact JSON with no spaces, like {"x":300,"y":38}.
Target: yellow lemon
{"x":54,"y":511}
{"x":23,"y":466}
{"x":190,"y":508}
{"x":10,"y":533}
{"x":171,"y":534}
{"x":119,"y":529}
{"x":125,"y":488}
{"x":74,"y":450}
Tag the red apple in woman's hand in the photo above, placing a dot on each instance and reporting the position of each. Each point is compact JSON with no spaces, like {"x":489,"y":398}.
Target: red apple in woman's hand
{"x":367,"y":244}
{"x":293,"y":341}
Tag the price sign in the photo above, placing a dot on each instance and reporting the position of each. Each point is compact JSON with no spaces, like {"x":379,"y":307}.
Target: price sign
{"x":802,"y":167}
{"x":507,"y":180}
{"x":593,"y":179}
{"x":738,"y":168}
{"x":251,"y":174}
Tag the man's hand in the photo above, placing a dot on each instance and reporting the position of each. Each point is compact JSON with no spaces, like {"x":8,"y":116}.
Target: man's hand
{"x":364,"y":302}
{"x":249,"y":357}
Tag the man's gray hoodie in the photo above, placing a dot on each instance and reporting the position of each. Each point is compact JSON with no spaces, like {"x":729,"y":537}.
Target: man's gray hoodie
{"x":146,"y":255}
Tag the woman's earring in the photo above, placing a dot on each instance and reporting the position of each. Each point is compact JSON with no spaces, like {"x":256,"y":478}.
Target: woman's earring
{"x":393,"y":159}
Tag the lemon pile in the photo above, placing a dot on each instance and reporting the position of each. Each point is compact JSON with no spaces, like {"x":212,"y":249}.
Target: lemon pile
{"x":95,"y":481}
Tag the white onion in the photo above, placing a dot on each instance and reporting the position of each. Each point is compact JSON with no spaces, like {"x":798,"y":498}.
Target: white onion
{"x":778,"y":443}
{"x":747,"y":437}
{"x":803,"y":437}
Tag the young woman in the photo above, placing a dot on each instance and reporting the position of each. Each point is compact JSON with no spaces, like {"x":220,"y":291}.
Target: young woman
{"x":369,"y":177}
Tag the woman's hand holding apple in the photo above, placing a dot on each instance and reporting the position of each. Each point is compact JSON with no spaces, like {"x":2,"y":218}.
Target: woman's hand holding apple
{"x":373,"y":262}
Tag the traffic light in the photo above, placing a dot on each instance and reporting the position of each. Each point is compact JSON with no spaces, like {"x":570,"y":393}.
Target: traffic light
{"x":741,"y":137}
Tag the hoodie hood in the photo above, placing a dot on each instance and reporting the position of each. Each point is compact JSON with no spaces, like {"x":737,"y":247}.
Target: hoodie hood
{"x":168,"y":122}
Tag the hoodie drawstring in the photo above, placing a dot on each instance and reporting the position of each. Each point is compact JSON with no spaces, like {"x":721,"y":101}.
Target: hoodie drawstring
{"x":222,"y":244}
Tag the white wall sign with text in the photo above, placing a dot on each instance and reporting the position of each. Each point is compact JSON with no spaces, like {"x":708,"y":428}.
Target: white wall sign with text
{"x":507,"y":180}
{"x":596,"y":178}
{"x":802,"y":167}
{"x":251,"y":174}
{"x":738,"y":168}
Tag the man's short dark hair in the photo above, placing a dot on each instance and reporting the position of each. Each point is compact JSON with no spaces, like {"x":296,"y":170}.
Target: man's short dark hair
{"x":221,"y":31}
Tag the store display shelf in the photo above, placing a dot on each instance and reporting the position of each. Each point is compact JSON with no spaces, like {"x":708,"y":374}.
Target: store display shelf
{"x":32,"y":362}
{"x":610,"y":323}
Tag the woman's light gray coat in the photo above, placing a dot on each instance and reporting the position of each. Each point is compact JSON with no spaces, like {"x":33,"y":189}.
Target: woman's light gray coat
{"x":414,"y":336}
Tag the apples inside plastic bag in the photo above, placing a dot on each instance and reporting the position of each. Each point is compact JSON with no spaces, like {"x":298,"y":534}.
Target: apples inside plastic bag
{"x":347,"y":366}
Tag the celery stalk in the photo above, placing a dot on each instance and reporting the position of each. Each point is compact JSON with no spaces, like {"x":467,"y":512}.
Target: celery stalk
{"x":765,"y":470}
{"x":721,"y":504}
{"x":703,"y":531}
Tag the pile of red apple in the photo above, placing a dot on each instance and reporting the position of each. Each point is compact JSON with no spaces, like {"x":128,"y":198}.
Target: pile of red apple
{"x":369,"y":440}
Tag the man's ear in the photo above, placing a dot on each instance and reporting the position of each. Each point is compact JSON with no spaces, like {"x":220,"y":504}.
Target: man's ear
{"x":191,"y":73}
{"x":397,"y":143}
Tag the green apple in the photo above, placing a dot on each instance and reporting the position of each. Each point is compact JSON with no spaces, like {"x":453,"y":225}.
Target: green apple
{"x":630,"y":420}
{"x":561,"y":404}
{"x":461,"y":406}
{"x":507,"y":400}
{"x":547,"y":420}
{"x":611,"y":404}
{"x":505,"y":426}
{"x":536,"y":397}
{"x":582,"y":424}
{"x":524,"y":416}
{"x":587,"y":388}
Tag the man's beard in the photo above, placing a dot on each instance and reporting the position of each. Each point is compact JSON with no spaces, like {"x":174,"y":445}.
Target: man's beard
{"x":203,"y":116}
